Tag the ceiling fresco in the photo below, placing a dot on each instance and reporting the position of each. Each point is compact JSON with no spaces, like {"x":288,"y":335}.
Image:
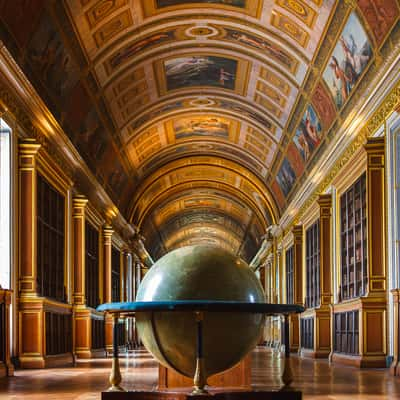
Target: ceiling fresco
{"x":200,"y":118}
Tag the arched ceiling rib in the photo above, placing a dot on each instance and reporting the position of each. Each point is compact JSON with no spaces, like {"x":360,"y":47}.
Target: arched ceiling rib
{"x":203,"y":171}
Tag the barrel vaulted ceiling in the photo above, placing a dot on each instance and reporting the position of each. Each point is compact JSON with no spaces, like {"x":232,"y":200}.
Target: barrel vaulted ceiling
{"x":199,"y":117}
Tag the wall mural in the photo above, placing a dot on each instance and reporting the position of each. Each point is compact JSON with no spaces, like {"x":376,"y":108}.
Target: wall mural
{"x":380,"y":15}
{"x":154,"y":7}
{"x":323,"y":104}
{"x":200,"y":71}
{"x":50,"y":65}
{"x":226,"y":105}
{"x":201,"y":148}
{"x":269,"y":48}
{"x":276,"y":189}
{"x":201,"y":126}
{"x":51,"y":60}
{"x":286,"y":177}
{"x":155,"y":113}
{"x":21,"y":17}
{"x":308,"y":133}
{"x":131,"y":50}
{"x":234,"y":3}
{"x":350,"y":57}
{"x":252,"y":114}
{"x":295,"y":159}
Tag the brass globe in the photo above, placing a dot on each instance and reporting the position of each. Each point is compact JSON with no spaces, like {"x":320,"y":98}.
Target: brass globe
{"x":200,"y":273}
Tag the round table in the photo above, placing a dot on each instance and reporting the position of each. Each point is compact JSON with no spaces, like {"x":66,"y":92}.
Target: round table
{"x":198,"y":307}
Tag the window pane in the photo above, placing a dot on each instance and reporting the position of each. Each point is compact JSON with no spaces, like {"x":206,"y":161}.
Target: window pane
{"x":5,"y":181}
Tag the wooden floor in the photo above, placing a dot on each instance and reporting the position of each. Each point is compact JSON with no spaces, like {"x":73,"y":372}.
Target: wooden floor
{"x":316,"y":379}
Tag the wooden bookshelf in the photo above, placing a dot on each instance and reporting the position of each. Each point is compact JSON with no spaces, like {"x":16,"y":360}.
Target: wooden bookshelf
{"x":50,"y":241}
{"x":91,"y":265}
{"x":289,"y":275}
{"x":97,"y":332}
{"x":313,"y":266}
{"x":58,"y":333}
{"x":115,"y":275}
{"x":353,"y":236}
{"x":307,"y":333}
{"x":346,"y":337}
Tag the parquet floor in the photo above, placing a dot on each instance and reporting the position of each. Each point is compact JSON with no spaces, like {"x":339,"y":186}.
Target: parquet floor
{"x":317,"y":379}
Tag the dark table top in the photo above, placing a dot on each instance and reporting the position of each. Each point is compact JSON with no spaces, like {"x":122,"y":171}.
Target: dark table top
{"x":200,"y":305}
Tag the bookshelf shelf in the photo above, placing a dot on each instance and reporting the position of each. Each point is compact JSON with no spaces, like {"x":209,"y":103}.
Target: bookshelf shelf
{"x":353,"y":235}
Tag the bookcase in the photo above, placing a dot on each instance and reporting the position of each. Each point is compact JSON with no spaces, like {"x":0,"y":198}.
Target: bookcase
{"x":50,"y":241}
{"x":346,"y":339}
{"x":91,"y":265}
{"x":353,"y":236}
{"x":115,"y":275}
{"x":307,"y":333}
{"x":289,"y":275}
{"x":313,"y":266}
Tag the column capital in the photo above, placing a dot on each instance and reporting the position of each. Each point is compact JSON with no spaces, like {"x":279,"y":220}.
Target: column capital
{"x":375,"y":144}
{"x":28,"y":146}
{"x":297,"y":231}
{"x":79,"y":201}
{"x":325,"y":200}
{"x":270,"y":259}
{"x":78,"y":206}
{"x":107,"y":230}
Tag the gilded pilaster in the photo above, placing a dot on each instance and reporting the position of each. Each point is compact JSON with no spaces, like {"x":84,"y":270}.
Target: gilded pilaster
{"x":375,"y":148}
{"x":298,"y":264}
{"x":81,"y":315}
{"x":30,"y":313}
{"x":325,"y":240}
{"x":28,"y":150}
{"x":78,"y":216}
{"x":297,"y":286}
{"x":107,"y":280}
{"x":107,"y":245}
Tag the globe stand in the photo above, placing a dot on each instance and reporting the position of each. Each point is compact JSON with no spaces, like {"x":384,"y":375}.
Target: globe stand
{"x":116,"y":392}
{"x":115,"y":374}
{"x":200,"y":378}
{"x":287,"y":375}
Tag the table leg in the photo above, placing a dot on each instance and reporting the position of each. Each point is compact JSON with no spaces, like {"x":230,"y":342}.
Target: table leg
{"x":287,"y":376}
{"x":115,"y":375}
{"x":200,"y":378}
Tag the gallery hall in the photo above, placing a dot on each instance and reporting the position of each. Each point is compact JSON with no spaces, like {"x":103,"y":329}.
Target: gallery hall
{"x":199,"y":198}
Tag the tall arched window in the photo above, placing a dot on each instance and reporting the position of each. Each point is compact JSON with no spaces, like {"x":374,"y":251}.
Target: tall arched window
{"x":393,"y":211}
{"x":5,"y":205}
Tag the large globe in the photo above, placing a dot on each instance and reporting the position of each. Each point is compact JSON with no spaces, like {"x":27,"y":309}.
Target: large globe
{"x":200,"y":273}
